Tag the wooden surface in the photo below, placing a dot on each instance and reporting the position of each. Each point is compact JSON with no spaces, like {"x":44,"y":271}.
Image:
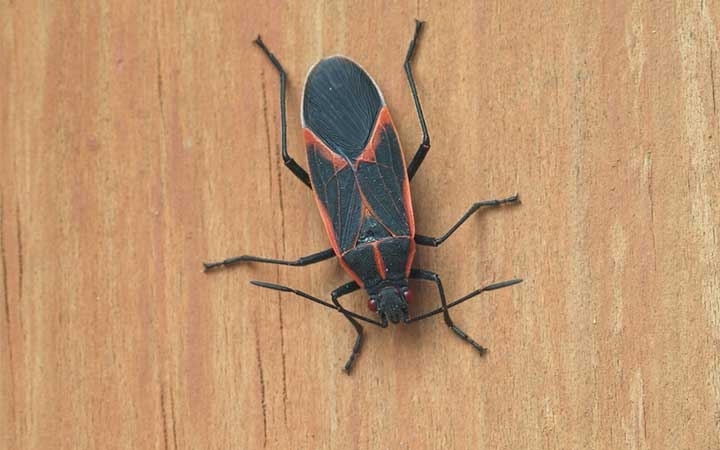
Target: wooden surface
{"x":140,"y":139}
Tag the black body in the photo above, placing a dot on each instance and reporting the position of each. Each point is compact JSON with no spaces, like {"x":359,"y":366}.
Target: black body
{"x":360,"y":181}
{"x":361,"y":186}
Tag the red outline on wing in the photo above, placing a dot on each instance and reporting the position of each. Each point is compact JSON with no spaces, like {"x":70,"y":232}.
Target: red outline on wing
{"x":379,"y":261}
{"x":368,"y":156}
{"x":338,"y":163}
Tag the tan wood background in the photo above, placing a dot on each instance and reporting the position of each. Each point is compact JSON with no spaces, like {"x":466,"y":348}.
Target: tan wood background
{"x":141,"y":138}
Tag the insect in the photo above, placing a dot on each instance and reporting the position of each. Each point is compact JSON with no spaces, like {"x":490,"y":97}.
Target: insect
{"x":362,"y":188}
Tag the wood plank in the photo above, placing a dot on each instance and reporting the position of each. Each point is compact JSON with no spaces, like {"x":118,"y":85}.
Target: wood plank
{"x":138,"y":140}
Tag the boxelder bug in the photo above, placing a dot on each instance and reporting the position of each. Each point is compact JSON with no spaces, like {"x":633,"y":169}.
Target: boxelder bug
{"x":362,"y":189}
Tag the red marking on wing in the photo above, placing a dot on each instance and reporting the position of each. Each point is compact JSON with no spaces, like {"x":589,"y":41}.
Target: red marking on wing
{"x":411,"y":256}
{"x":379,"y":262}
{"x":385,"y":120}
{"x":339,"y":163}
{"x":319,"y":146}
{"x":368,"y":155}
{"x":350,"y":272}
{"x":327,"y":221}
{"x":407,"y":200}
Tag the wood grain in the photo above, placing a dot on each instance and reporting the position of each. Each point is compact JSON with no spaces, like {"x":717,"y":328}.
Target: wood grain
{"x":141,"y":138}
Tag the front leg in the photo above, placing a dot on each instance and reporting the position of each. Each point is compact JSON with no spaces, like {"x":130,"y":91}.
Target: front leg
{"x":336,"y":294}
{"x":435,"y":278}
{"x":476,"y":292}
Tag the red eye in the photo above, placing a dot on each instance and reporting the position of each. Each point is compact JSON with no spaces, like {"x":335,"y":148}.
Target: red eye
{"x":408,"y":295}
{"x":372,"y":305}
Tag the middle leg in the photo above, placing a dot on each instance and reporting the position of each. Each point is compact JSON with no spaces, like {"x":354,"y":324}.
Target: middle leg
{"x":349,"y":315}
{"x":336,"y":294}
{"x":302,"y":261}
{"x":435,"y":242}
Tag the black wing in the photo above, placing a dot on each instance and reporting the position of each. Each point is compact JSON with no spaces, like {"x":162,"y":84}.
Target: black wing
{"x":341,"y":104}
{"x":383,"y":181}
{"x":356,"y":163}
{"x":337,"y":195}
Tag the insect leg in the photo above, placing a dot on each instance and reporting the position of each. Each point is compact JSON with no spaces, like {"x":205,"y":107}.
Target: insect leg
{"x":290,"y":163}
{"x":351,"y":316}
{"x":312,"y":298}
{"x":490,"y":287}
{"x":303,"y":261}
{"x":425,"y":145}
{"x":434,"y":242}
{"x":431,"y":276}
{"x":337,"y":293}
